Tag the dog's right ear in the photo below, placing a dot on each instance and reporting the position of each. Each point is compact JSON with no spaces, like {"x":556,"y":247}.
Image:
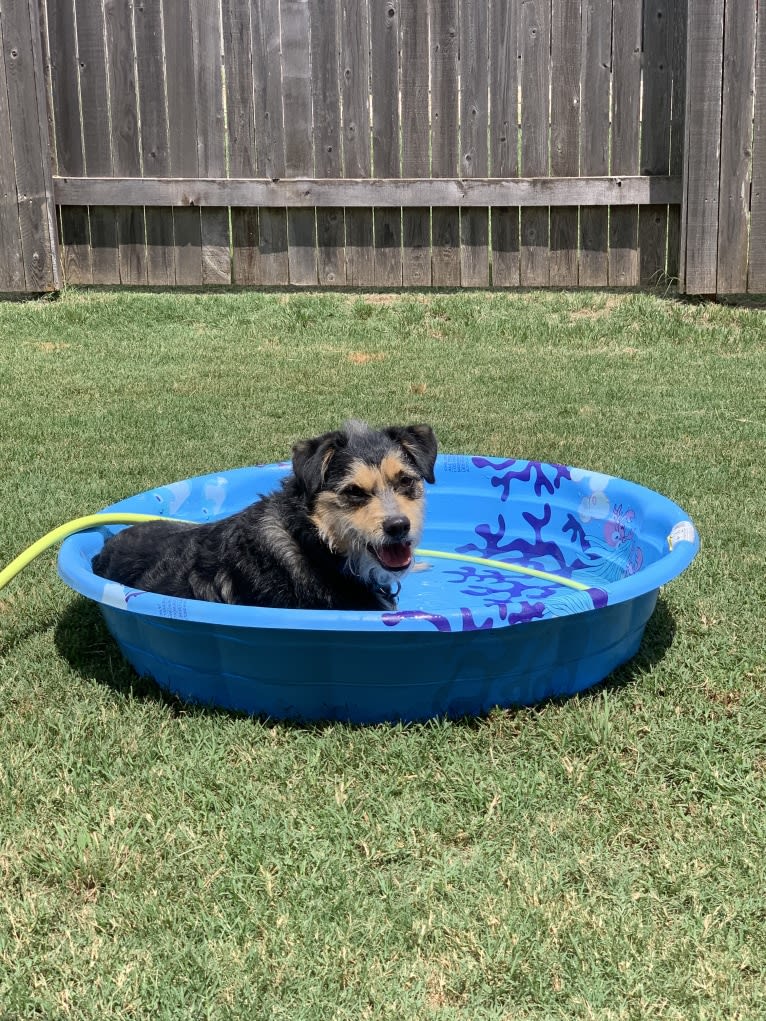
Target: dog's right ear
{"x":311,"y":459}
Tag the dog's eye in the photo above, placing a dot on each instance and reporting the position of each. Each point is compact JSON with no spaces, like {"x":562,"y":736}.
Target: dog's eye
{"x":406,"y":485}
{"x":355,"y":495}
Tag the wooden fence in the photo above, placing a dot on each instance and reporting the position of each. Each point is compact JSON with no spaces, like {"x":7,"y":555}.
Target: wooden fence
{"x":383,"y":143}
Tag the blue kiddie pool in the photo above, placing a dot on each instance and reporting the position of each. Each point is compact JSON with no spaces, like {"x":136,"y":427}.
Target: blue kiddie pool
{"x":540,"y":582}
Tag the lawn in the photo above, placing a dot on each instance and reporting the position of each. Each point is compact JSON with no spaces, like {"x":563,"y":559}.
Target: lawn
{"x":601,"y":857}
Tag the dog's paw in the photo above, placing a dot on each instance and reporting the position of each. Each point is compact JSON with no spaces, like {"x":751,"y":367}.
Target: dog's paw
{"x":421,"y":565}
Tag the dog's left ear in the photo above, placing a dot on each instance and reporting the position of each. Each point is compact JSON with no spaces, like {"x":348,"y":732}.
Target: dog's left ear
{"x":312,"y":457}
{"x":419,"y":443}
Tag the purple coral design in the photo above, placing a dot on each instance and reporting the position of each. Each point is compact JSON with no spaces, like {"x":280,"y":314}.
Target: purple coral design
{"x":391,"y":619}
{"x":524,"y":474}
{"x":494,"y":546}
{"x":441,"y":623}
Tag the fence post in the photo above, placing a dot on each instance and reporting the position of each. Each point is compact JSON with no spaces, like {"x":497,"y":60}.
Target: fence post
{"x":718,"y":146}
{"x":29,"y":260}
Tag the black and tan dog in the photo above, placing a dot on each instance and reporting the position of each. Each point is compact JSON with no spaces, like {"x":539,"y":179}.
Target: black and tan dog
{"x":338,"y":534}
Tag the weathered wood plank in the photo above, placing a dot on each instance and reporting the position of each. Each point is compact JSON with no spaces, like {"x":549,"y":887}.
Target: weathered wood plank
{"x":756,"y":282}
{"x":699,"y":225}
{"x":677,"y":124}
{"x":155,"y":153}
{"x":97,"y":136}
{"x":298,"y":135}
{"x":240,"y":119}
{"x":534,"y":49}
{"x":48,"y":267}
{"x":416,"y":223}
{"x":503,"y":138}
{"x":626,"y":124}
{"x":28,"y":141}
{"x":384,"y":63}
{"x":211,"y":145}
{"x":325,"y":51}
{"x":11,"y":263}
{"x":565,"y":134}
{"x":655,"y":137}
{"x":269,"y":132}
{"x":445,"y":159}
{"x":736,"y":145}
{"x":307,"y":193}
{"x":594,"y":135}
{"x":355,"y":74}
{"x":182,"y":135}
{"x":126,"y":160}
{"x":474,"y":123}
{"x":62,"y":69}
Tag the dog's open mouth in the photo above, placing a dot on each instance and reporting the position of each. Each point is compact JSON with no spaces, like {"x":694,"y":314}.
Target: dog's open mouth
{"x":394,"y":556}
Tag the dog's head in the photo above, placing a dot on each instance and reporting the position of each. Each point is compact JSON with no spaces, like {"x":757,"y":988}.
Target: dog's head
{"x":365,"y":489}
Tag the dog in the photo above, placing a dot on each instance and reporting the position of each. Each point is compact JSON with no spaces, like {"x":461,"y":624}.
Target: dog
{"x":339,"y":533}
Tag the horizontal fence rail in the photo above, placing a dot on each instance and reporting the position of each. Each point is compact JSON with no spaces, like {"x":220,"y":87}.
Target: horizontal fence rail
{"x":302,"y":193}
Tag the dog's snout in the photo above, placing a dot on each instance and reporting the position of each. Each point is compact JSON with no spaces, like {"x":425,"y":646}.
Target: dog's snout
{"x":396,"y":527}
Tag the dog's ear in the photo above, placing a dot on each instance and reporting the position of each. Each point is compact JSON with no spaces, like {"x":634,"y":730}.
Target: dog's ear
{"x":311,"y":459}
{"x":419,"y":443}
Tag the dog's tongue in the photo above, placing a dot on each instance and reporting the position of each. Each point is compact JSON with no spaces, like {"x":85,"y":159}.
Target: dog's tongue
{"x":395,"y":556}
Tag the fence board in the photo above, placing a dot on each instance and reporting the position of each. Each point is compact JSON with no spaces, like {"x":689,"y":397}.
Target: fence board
{"x":474,"y":125}
{"x":626,"y":124}
{"x":11,"y":264}
{"x":503,"y":137}
{"x":655,"y":139}
{"x":211,"y":151}
{"x":298,"y":136}
{"x":325,"y":45}
{"x":240,"y":119}
{"x":565,"y":134}
{"x":269,"y":132}
{"x":736,"y":146}
{"x":182,"y":135}
{"x":355,"y":102}
{"x":62,"y":70}
{"x":28,"y":144}
{"x":126,"y":158}
{"x":155,"y":154}
{"x":594,"y":144}
{"x":384,"y":54}
{"x":534,"y":49}
{"x":677,"y":118}
{"x":416,"y":223}
{"x":45,"y":271}
{"x":704,"y":55}
{"x":96,"y":137}
{"x":757,"y":268}
{"x":445,"y":223}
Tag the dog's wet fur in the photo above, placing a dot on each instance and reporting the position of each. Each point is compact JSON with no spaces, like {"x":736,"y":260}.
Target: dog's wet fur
{"x":338,"y":534}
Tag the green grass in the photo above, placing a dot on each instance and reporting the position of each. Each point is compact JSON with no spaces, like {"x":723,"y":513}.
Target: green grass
{"x":599,"y":858}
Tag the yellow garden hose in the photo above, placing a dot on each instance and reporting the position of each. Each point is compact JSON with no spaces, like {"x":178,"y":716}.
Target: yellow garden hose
{"x":63,"y":531}
{"x":502,"y":566}
{"x":124,"y":518}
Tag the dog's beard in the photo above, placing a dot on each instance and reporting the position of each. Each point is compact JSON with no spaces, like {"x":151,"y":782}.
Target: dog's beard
{"x":362,"y":562}
{"x":367,"y":568}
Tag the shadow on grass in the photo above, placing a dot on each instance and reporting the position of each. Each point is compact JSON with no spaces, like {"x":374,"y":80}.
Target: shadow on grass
{"x":83,"y":640}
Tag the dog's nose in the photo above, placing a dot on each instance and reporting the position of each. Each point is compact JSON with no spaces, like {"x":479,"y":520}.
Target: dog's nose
{"x":396,"y":527}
